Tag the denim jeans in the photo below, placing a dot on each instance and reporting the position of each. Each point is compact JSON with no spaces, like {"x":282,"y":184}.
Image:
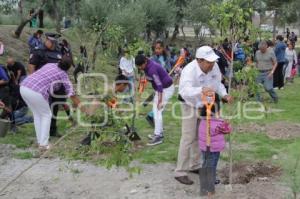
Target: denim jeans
{"x":267,"y":82}
{"x":210,"y":159}
{"x":20,"y":116}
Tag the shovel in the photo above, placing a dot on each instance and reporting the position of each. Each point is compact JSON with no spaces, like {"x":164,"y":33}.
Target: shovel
{"x":207,"y":172}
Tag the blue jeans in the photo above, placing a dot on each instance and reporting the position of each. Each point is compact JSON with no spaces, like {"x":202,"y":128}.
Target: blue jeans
{"x":267,"y":82}
{"x":210,"y":159}
{"x":20,"y":116}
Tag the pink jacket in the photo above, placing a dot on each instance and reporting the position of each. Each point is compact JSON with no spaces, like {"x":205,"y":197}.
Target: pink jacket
{"x":217,"y":137}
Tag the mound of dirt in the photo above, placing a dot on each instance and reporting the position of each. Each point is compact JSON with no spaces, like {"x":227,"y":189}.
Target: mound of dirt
{"x":244,"y":173}
{"x":275,"y":130}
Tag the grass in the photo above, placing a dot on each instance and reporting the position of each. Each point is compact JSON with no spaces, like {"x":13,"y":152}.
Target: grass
{"x":258,"y":145}
{"x":23,"y":155}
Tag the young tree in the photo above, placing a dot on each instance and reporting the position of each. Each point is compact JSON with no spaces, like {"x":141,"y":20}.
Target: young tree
{"x":231,"y":17}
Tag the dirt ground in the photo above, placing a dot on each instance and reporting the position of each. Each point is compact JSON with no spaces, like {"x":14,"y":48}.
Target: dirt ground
{"x":60,"y":179}
{"x":284,"y":130}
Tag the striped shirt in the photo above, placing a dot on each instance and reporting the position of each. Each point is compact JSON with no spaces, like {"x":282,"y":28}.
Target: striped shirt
{"x":49,"y":79}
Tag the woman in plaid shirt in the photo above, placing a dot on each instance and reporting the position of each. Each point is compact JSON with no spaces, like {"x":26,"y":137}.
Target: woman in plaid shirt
{"x":37,"y":88}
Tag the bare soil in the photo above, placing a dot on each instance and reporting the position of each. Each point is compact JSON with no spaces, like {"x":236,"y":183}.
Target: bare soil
{"x":276,"y":130}
{"x":61,"y":179}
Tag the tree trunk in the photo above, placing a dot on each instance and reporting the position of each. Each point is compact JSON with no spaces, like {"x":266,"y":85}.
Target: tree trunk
{"x":24,"y":20}
{"x":94,"y":56}
{"x":275,"y":24}
{"x":182,"y":30}
{"x":21,"y":27}
{"x":57,"y":16}
{"x":175,"y":32}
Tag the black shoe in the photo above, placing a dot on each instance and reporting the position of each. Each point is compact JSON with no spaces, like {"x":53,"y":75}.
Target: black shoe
{"x":217,"y":181}
{"x":150,"y":120}
{"x":196,"y":171}
{"x":184,"y":180}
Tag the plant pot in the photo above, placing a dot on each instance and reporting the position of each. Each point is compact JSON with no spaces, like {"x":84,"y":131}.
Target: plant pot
{"x":4,"y":127}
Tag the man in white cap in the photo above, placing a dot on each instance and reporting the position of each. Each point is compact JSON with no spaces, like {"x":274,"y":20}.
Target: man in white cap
{"x":200,"y":76}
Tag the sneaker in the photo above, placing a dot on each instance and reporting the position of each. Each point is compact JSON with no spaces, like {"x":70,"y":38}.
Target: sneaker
{"x":275,"y":88}
{"x":150,"y":120}
{"x":151,"y":136}
{"x":155,"y":141}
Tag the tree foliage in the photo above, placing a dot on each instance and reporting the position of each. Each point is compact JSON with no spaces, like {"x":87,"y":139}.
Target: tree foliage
{"x":160,"y":15}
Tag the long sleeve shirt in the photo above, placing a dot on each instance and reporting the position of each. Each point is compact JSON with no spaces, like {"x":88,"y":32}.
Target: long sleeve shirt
{"x":157,"y":75}
{"x":193,"y":79}
{"x":47,"y":80}
{"x":280,"y":51}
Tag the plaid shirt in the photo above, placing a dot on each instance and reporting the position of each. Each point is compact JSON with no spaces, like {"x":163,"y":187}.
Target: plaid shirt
{"x":48,"y":79}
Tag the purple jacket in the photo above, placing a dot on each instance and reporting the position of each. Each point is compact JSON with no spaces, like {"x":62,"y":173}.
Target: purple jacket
{"x":217,"y":138}
{"x":159,"y":78}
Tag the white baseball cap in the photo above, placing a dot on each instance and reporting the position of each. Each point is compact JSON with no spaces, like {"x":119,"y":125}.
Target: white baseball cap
{"x":207,"y":53}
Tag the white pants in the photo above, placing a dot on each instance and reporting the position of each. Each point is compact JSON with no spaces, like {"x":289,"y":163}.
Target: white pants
{"x":41,"y":114}
{"x":157,"y":114}
{"x":288,"y":70}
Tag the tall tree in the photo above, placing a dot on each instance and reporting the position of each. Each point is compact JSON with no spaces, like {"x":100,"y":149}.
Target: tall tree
{"x":277,"y":7}
{"x":180,"y":5}
{"x":160,"y":15}
{"x":26,"y":18}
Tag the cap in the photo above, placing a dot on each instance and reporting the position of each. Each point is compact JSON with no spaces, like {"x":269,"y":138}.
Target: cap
{"x":207,"y":53}
{"x":52,"y":36}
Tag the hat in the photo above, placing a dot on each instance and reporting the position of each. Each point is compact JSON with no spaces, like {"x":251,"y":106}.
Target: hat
{"x":52,"y":36}
{"x":207,"y":53}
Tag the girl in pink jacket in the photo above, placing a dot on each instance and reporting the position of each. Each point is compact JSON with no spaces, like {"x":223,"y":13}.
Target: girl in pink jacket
{"x":218,"y":128}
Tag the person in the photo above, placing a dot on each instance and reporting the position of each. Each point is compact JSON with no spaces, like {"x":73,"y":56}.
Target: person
{"x":2,"y":105}
{"x":266,"y":64}
{"x":291,"y":56}
{"x":35,"y":40}
{"x":161,"y":56}
{"x":127,"y":67}
{"x":298,"y":57}
{"x":218,"y":128}
{"x":4,"y":90}
{"x":32,"y":23}
{"x":200,"y":76}
{"x":36,"y":90}
{"x":66,"y":50}
{"x":239,"y":54}
{"x":280,"y":56}
{"x":162,"y":83}
{"x":293,"y":39}
{"x":17,"y":70}
{"x":50,"y":53}
{"x":1,"y":47}
{"x":82,"y":66}
{"x":288,"y":33}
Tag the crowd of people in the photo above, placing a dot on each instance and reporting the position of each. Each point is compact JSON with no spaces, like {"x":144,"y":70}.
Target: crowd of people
{"x":45,"y":84}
